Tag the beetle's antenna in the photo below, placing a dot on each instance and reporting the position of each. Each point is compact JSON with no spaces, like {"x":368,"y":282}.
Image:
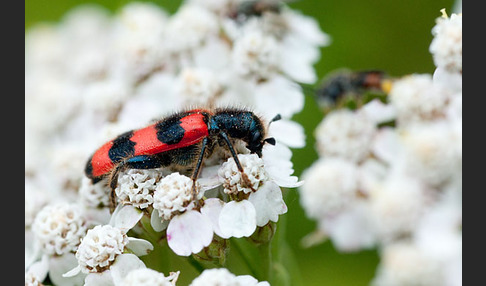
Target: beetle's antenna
{"x":271,"y":140}
{"x":276,"y":118}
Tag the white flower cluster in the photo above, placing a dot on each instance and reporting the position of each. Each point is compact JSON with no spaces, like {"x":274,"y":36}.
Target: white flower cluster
{"x":397,"y":187}
{"x":58,"y":228}
{"x":106,"y":254}
{"x":56,"y":233}
{"x":97,"y":74}
{"x":225,"y":207}
{"x":100,"y":247}
{"x":446,"y":47}
{"x":136,"y":187}
{"x":222,"y":277}
{"x":149,"y":277}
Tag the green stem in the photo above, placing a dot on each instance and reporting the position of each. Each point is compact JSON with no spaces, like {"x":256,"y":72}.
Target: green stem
{"x":157,"y":258}
{"x":266,"y":261}
{"x":196,"y":264}
{"x":149,"y":231}
{"x":245,"y":255}
{"x":285,"y":270}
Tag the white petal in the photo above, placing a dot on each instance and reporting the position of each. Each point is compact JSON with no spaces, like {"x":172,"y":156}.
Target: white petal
{"x":279,"y":95}
{"x":125,"y":217}
{"x":123,"y":265}
{"x":237,"y":90}
{"x":371,"y":174}
{"x":99,"y":279}
{"x":156,"y":221}
{"x":299,"y":60}
{"x":146,"y":97}
{"x":352,"y":230}
{"x":299,"y":71}
{"x":139,"y":246}
{"x":276,"y":154}
{"x":451,"y":80}
{"x":189,"y":233}
{"x":73,"y":272}
{"x":212,"y":209}
{"x":307,"y":28}
{"x":278,"y":165}
{"x":288,"y":132}
{"x":283,"y":178}
{"x":289,"y":182}
{"x":379,"y":112}
{"x":386,"y":145}
{"x":237,"y":219}
{"x":59,"y":265}
{"x":33,"y":251}
{"x":40,"y":268}
{"x":209,"y":179}
{"x":245,"y":280}
{"x":214,"y":54}
{"x":268,"y":202}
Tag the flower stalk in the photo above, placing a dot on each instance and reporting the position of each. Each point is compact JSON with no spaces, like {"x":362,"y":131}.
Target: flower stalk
{"x":265,"y":255}
{"x":158,"y":258}
{"x":214,"y":255}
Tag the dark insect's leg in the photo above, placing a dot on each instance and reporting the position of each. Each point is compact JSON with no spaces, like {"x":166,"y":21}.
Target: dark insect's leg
{"x":197,"y":169}
{"x":238,"y":164}
{"x":136,"y":162}
{"x":112,"y":203}
{"x":232,"y":150}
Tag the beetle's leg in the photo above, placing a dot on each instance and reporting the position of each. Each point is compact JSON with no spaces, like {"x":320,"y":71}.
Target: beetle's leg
{"x":197,"y":169}
{"x":136,"y":162}
{"x":238,"y":164}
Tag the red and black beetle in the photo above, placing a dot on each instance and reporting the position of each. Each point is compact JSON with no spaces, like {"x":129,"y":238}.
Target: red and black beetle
{"x":184,"y":138}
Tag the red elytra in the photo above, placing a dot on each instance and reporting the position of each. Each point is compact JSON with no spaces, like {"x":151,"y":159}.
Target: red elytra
{"x":101,"y":162}
{"x":146,"y":141}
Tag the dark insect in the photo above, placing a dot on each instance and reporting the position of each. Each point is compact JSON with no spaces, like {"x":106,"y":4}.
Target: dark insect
{"x":354,"y":83}
{"x":183,"y":139}
{"x":254,"y":8}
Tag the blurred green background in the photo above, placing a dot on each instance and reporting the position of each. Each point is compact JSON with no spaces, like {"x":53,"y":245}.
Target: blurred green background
{"x":393,"y":36}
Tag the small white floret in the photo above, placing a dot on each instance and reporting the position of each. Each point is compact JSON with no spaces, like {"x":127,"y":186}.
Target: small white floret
{"x":189,"y":233}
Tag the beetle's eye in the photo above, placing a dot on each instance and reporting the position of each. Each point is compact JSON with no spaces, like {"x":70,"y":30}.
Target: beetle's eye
{"x":256,"y":136}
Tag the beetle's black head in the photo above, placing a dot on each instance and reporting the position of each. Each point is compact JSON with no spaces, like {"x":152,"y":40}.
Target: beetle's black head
{"x":257,"y":140}
{"x":256,"y":145}
{"x":243,"y":125}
